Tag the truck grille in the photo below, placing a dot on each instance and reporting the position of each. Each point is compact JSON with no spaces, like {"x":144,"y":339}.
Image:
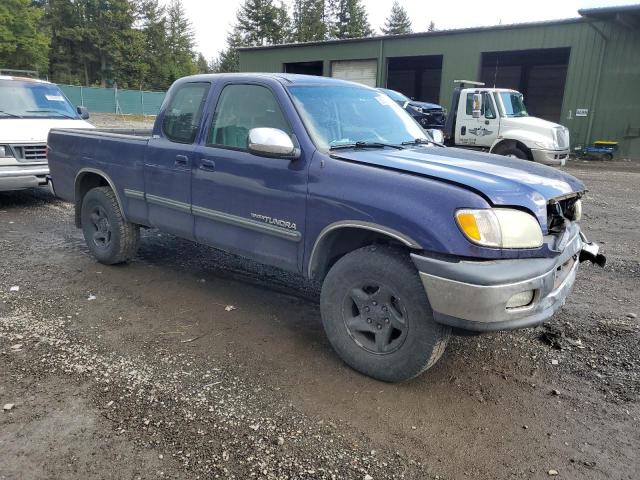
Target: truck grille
{"x":31,"y":153}
{"x":437,"y":116}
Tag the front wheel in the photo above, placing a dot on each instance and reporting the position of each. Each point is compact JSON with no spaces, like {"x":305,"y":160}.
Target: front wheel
{"x":377,"y":316}
{"x":513,"y":152}
{"x":110,"y":238}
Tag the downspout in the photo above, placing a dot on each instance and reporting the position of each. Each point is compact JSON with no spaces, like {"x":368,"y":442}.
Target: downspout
{"x":381,"y":69}
{"x":596,"y":90}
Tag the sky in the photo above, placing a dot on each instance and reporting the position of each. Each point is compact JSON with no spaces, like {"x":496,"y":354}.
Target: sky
{"x":212,"y":19}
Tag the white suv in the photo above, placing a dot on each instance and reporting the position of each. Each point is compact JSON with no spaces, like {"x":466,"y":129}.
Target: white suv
{"x":29,"y":108}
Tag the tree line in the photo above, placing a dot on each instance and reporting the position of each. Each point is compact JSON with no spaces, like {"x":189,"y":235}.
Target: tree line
{"x":147,"y":44}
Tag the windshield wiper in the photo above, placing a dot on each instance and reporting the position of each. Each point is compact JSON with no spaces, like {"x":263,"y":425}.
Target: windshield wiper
{"x":422,"y":141}
{"x":365,"y":145}
{"x":9,"y":114}
{"x":52,"y":111}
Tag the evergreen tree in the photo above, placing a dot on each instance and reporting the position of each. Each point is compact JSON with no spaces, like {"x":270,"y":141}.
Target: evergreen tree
{"x":432,"y":26}
{"x":154,"y":29}
{"x":398,"y":22}
{"x":352,"y":21}
{"x":309,"y":21}
{"x":181,"y":59}
{"x":331,"y":14}
{"x":281,"y":31}
{"x":202,"y":64}
{"x":23,"y":43}
{"x":229,"y":60}
{"x":261,"y":22}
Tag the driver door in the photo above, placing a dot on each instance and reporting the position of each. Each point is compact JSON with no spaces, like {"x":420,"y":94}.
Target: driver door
{"x":243,"y":203}
{"x":481,"y":131}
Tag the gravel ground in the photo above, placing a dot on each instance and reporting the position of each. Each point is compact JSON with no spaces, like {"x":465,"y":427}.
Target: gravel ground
{"x":191,"y":363}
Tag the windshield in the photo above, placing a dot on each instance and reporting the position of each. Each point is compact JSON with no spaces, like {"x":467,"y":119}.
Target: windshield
{"x":344,"y":115}
{"x":397,"y":96}
{"x":513,"y":104}
{"x":28,"y":99}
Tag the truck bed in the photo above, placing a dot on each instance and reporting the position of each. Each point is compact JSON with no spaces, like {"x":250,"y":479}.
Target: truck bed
{"x":118,"y":154}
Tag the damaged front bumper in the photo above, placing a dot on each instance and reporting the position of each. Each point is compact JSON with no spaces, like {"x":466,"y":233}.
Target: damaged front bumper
{"x":484,"y":296}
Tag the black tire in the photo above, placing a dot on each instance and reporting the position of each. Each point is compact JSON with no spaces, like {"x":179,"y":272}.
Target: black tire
{"x":513,"y":152}
{"x":388,"y":333}
{"x":109,"y":237}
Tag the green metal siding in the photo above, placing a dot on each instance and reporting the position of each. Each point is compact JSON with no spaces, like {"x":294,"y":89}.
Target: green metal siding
{"x":602,"y":76}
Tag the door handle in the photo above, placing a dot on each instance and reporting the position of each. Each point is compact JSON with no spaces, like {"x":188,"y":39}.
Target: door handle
{"x":208,"y":165}
{"x":181,"y":161}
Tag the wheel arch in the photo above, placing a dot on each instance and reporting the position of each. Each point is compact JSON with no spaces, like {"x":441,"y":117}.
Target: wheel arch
{"x":510,"y":142}
{"x":89,"y":178}
{"x":340,"y":238}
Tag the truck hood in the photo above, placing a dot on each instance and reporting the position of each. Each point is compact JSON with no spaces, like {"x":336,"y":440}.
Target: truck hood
{"x":34,"y":130}
{"x":503,"y":181}
{"x":425,"y":105}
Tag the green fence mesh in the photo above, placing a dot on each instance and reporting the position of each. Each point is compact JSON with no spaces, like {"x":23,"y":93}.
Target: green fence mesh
{"x":111,"y":100}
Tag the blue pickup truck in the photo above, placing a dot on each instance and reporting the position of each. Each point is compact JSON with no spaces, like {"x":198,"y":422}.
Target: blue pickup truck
{"x":412,"y":241}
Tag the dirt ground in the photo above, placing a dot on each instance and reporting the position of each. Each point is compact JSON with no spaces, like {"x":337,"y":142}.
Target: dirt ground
{"x":145,"y":371}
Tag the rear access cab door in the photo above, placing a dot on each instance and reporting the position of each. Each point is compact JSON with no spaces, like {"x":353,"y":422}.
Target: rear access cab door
{"x":171,"y":154}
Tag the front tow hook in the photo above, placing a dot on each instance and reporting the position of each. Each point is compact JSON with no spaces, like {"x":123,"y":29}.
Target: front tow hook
{"x":590,"y":251}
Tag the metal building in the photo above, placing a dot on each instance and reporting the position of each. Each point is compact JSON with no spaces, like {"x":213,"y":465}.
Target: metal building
{"x":583,"y":72}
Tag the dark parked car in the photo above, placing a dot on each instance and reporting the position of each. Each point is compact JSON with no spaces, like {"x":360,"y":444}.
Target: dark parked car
{"x":428,"y":115}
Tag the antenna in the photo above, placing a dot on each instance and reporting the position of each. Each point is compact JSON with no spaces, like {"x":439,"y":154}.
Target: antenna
{"x":495,"y":73}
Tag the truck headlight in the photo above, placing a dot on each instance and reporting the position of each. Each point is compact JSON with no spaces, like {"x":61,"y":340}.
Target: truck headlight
{"x":500,"y":228}
{"x":5,"y":152}
{"x":547,"y":145}
{"x":575,"y":211}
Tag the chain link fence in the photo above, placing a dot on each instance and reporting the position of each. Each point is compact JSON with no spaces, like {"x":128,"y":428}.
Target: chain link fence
{"x":115,"y":100}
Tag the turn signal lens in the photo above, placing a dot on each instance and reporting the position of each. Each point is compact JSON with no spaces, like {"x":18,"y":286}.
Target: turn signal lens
{"x":469,"y":226}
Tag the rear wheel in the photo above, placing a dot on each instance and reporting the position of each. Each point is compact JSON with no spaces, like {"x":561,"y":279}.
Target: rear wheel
{"x":110,"y":238}
{"x":377,"y":316}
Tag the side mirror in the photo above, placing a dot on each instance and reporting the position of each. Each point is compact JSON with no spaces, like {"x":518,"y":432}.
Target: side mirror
{"x":83,"y":112}
{"x":436,"y":134}
{"x":477,"y":105}
{"x":271,"y":142}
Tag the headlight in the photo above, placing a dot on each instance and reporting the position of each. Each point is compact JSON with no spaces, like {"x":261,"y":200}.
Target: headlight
{"x":547,"y":144}
{"x":417,"y":109}
{"x":5,"y":152}
{"x":575,"y":211}
{"x":500,"y":228}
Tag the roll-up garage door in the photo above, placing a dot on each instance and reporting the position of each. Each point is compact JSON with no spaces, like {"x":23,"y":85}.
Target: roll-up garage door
{"x":361,"y":71}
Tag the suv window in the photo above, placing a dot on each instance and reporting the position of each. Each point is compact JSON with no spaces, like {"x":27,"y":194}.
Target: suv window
{"x":184,"y":112}
{"x":241,"y":108}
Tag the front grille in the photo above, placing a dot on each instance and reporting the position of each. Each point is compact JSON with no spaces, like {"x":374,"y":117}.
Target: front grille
{"x":559,"y":211}
{"x":31,"y":153}
{"x":437,"y":116}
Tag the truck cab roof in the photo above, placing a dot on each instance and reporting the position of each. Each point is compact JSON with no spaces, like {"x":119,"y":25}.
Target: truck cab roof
{"x":286,"y":79}
{"x":23,"y":79}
